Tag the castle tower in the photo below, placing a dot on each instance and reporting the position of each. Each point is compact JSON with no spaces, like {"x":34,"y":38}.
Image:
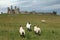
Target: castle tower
{"x":11,"y":9}
{"x":16,"y":10}
{"x":15,"y":7}
{"x":8,"y":10}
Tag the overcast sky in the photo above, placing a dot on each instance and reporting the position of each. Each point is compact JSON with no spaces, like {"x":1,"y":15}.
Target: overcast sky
{"x":31,"y":5}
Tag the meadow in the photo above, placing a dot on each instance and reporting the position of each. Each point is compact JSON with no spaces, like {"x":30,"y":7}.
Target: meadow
{"x":10,"y":24}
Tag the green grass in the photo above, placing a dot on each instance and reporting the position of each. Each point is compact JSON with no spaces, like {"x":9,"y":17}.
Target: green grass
{"x":9,"y":26}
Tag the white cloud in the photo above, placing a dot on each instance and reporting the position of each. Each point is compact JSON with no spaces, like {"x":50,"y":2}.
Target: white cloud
{"x":5,"y":3}
{"x":29,"y":3}
{"x":32,"y":4}
{"x":52,"y":7}
{"x":22,"y":2}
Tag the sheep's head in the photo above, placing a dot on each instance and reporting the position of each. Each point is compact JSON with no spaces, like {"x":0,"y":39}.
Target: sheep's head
{"x":20,"y":25}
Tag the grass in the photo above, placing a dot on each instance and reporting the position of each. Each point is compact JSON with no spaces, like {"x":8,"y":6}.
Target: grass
{"x":9,"y":26}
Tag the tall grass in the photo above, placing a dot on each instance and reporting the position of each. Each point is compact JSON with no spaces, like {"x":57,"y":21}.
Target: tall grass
{"x":9,"y":26}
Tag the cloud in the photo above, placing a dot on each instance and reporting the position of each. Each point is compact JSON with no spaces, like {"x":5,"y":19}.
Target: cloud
{"x":42,"y":5}
{"x":52,"y":7}
{"x":5,"y":3}
{"x":37,"y":5}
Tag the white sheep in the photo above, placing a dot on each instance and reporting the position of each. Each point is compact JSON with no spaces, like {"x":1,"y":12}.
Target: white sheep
{"x":43,"y":21}
{"x":37,"y":30}
{"x":28,"y":26}
{"x":22,"y":31}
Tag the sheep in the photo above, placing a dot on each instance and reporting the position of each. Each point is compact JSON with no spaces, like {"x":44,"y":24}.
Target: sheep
{"x":22,"y":31}
{"x":43,"y":21}
{"x":37,"y":30}
{"x":28,"y":26}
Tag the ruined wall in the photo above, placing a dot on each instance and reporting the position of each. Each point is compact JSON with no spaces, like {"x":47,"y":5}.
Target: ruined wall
{"x":13,"y":11}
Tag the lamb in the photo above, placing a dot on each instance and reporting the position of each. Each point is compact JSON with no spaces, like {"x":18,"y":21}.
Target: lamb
{"x":37,"y":30}
{"x":28,"y":26}
{"x":22,"y":31}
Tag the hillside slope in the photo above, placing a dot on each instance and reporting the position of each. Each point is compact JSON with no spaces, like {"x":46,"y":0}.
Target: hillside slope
{"x":9,"y":27}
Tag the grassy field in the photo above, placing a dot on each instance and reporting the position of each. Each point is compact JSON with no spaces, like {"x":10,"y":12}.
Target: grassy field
{"x":9,"y":27}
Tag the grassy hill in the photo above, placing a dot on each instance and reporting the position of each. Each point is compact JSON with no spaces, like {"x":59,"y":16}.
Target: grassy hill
{"x":9,"y":26}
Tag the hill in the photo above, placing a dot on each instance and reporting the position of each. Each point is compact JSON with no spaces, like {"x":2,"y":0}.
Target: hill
{"x":9,"y":26}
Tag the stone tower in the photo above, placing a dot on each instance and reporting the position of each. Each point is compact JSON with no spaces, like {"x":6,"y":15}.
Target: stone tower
{"x":9,"y":11}
{"x":12,"y":10}
{"x":17,"y":11}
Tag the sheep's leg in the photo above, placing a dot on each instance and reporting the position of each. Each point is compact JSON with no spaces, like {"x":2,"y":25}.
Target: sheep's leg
{"x":39,"y":33}
{"x":29,"y":29}
{"x":23,"y":35}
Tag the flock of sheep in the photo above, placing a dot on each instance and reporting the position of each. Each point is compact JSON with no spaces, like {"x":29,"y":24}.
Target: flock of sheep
{"x":37,"y":30}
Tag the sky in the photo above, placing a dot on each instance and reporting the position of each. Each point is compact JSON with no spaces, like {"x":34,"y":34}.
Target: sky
{"x":31,"y":5}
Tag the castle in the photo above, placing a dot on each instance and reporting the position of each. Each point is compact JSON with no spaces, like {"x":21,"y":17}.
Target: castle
{"x":13,"y":11}
{"x":16,"y":10}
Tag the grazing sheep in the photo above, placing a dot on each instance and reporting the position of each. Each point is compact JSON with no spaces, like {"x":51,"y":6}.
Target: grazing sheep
{"x":37,"y":30}
{"x":28,"y":26}
{"x":22,"y":31}
{"x":43,"y":21}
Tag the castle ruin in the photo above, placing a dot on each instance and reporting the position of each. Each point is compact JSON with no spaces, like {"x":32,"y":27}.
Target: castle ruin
{"x":16,"y":10}
{"x":13,"y":11}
